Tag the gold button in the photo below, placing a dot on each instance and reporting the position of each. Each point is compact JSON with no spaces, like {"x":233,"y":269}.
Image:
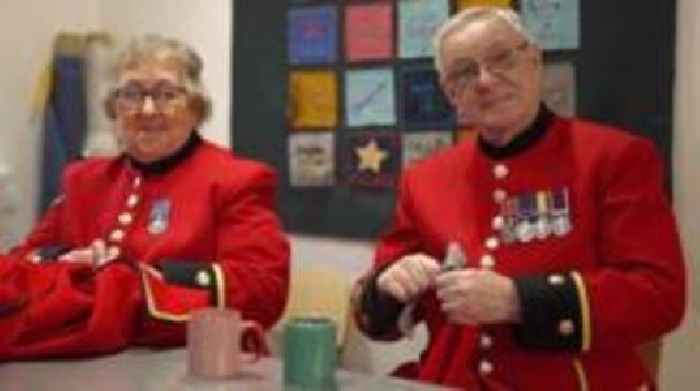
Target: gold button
{"x":125,"y":218}
{"x":485,"y":341}
{"x":497,"y":223}
{"x":132,"y":201}
{"x":488,"y":261}
{"x":203,"y":278}
{"x":500,"y":171}
{"x":555,"y":279}
{"x":117,"y":235}
{"x":485,"y":367}
{"x":566,"y":327}
{"x":499,"y":195}
{"x":492,"y":243}
{"x":136,"y":182}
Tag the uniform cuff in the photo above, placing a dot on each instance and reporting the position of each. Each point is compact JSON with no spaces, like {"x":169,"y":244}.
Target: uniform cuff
{"x":555,"y":312}
{"x":203,"y":275}
{"x":379,"y":311}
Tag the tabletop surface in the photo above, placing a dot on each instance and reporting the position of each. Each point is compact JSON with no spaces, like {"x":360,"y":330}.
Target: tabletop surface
{"x":147,"y":370}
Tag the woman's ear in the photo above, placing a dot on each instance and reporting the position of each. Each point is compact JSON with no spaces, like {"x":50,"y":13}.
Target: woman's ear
{"x":109,"y":105}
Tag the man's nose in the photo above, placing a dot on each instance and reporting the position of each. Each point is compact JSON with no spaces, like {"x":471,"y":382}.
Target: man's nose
{"x":149,"y":105}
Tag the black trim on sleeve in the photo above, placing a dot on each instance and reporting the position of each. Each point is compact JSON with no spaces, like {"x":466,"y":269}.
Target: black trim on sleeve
{"x":380,"y":311}
{"x":551,"y":312}
{"x":190,"y":274}
{"x":48,"y":254}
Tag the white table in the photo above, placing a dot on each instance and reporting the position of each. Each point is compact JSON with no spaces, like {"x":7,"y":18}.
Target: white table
{"x":146,"y":370}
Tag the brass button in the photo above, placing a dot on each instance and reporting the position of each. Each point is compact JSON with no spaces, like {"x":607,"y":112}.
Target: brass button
{"x":125,"y":218}
{"x":500,"y":171}
{"x":566,"y":327}
{"x":492,"y":243}
{"x":485,"y":367}
{"x":485,"y":341}
{"x":136,"y":182}
{"x":488,"y":261}
{"x":117,"y":235}
{"x":132,"y":201}
{"x":499,"y":195}
{"x":555,"y":279}
{"x":203,"y":278}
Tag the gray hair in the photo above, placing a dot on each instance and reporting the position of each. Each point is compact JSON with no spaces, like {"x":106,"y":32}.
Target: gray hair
{"x":473,"y":14}
{"x":156,"y":48}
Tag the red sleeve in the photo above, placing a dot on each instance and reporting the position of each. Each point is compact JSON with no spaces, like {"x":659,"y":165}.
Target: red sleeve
{"x":639,"y":292}
{"x":253,"y":251}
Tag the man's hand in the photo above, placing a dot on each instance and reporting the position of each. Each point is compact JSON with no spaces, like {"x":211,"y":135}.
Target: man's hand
{"x":409,"y":277}
{"x":473,"y":297}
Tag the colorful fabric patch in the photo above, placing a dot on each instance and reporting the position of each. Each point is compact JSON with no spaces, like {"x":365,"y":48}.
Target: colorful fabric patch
{"x":311,"y":159}
{"x":462,"y":4}
{"x":419,"y":145}
{"x":370,"y":158}
{"x":418,"y":20}
{"x":559,"y":88}
{"x":313,"y":35}
{"x":423,"y":105}
{"x":313,"y":99}
{"x":369,"y":32}
{"x":553,"y":23}
{"x":369,"y":97}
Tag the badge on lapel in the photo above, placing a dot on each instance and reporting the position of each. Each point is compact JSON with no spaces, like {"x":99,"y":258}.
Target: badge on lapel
{"x":159,"y":218}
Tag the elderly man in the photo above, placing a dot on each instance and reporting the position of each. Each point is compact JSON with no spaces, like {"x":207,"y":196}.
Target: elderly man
{"x":563,"y":252}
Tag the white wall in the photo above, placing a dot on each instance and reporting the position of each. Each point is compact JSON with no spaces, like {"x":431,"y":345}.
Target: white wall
{"x":682,"y":350}
{"x":27,"y":29}
{"x":206,"y":25}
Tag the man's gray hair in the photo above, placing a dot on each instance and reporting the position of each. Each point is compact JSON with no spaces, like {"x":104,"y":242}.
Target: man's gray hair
{"x":156,"y":48}
{"x":474,"y":14}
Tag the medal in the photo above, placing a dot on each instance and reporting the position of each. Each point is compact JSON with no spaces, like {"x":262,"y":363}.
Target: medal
{"x":159,"y":217}
{"x":542,"y":227}
{"x":561,"y":219}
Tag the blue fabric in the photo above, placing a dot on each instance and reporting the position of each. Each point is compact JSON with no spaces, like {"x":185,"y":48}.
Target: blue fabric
{"x":64,"y":124}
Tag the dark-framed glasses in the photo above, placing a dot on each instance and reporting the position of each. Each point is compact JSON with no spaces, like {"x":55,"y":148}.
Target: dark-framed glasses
{"x":498,"y":63}
{"x":131,"y":97}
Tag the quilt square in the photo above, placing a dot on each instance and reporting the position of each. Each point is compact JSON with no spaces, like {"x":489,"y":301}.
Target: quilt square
{"x":553,"y":23}
{"x":313,"y":99}
{"x":418,"y":20}
{"x":370,"y":158}
{"x":419,"y":145}
{"x":311,"y":159}
{"x":369,"y":32}
{"x":369,"y":97}
{"x":423,"y":105}
{"x":313,"y":35}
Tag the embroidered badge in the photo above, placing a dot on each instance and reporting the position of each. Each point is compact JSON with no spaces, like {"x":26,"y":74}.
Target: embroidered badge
{"x":159,"y":217}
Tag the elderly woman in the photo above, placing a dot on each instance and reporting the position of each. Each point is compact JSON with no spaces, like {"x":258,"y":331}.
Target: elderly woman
{"x":136,"y":242}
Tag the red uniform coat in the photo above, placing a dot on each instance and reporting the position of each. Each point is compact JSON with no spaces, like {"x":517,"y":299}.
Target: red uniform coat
{"x":589,"y":295}
{"x":207,"y":223}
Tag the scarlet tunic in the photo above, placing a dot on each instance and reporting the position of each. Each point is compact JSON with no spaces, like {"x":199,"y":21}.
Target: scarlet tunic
{"x":576,"y":214}
{"x":203,"y":221}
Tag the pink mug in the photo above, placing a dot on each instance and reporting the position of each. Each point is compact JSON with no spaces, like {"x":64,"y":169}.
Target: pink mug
{"x":216,"y":339}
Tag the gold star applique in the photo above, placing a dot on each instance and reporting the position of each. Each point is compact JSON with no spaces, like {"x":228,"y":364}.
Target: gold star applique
{"x":371,"y":157}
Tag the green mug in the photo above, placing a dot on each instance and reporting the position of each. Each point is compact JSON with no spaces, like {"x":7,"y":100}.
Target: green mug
{"x":310,"y":354}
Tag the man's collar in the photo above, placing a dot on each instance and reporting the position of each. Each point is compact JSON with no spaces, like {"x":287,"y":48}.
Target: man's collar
{"x":524,"y":140}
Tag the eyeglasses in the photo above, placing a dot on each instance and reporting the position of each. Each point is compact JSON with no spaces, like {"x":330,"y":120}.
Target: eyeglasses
{"x":498,"y":64}
{"x":131,"y":97}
